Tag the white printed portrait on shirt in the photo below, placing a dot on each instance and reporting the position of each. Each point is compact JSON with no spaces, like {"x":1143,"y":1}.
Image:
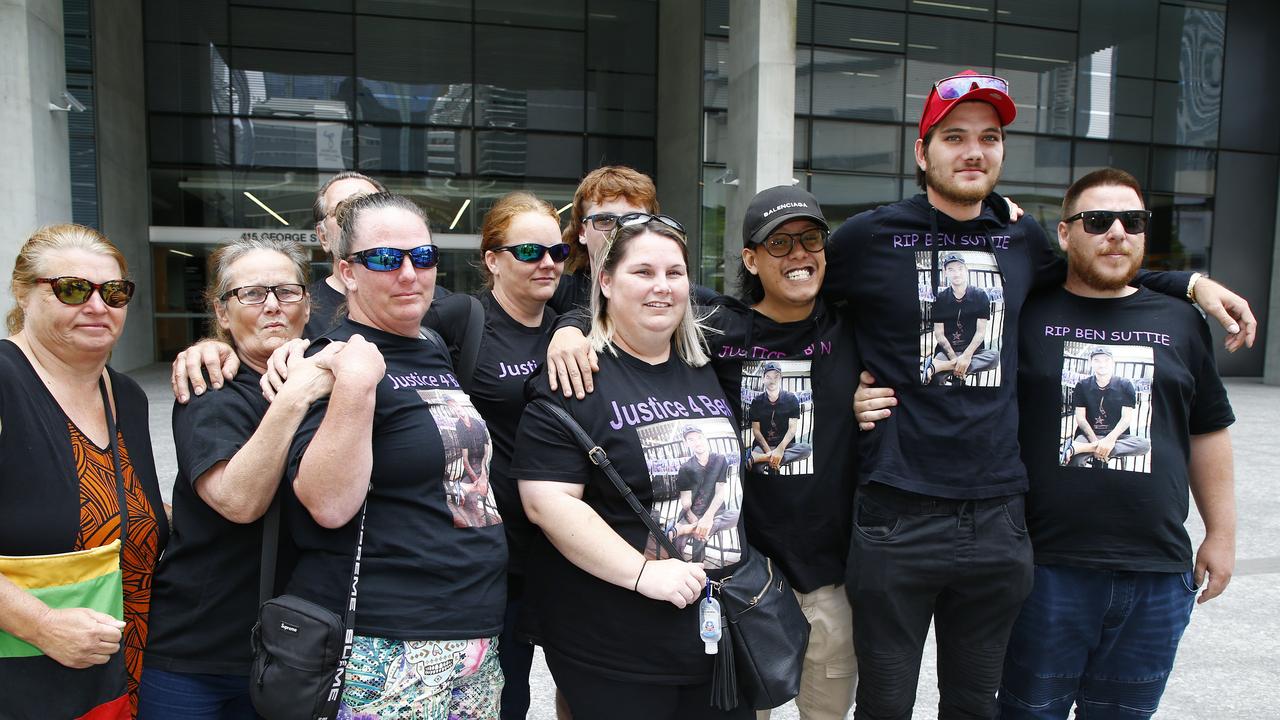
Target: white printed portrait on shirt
{"x":467,"y":451}
{"x":1106,"y":406}
{"x":961,"y":317}
{"x":777,"y":412}
{"x":694,"y":469}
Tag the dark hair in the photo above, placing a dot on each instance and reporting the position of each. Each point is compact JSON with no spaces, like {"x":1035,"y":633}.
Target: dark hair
{"x":921,"y":178}
{"x":1097,"y":178}
{"x":319,"y":211}
{"x":601,"y":184}
{"x":493,"y":233}
{"x":349,"y":212}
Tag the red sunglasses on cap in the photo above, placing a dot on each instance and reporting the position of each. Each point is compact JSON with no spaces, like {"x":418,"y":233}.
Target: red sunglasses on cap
{"x":968,"y":85}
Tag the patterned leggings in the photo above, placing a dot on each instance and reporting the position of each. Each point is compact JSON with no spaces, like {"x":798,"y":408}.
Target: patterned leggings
{"x":422,"y":680}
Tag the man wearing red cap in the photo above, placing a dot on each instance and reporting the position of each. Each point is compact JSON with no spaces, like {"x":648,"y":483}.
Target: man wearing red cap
{"x":939,"y":529}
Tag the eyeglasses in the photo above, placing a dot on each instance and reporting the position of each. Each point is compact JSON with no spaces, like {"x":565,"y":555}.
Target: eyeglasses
{"x":1097,"y":222}
{"x":958,"y":86}
{"x":257,"y":294}
{"x":533,"y":252}
{"x":781,"y":244}
{"x":604,"y":222}
{"x":386,"y":259}
{"x":77,"y":291}
{"x":639,"y":218}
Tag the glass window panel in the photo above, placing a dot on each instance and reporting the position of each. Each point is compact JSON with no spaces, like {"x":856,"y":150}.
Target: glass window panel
{"x":563,"y":14}
{"x":193,"y":198}
{"x":1092,"y":156}
{"x":954,"y":43}
{"x":856,"y":146}
{"x":622,"y":36}
{"x":804,"y":22}
{"x":716,"y":15}
{"x":197,"y":21}
{"x":1040,"y":68}
{"x":632,"y":152}
{"x":1112,"y":107}
{"x":800,"y":146}
{"x":1044,"y":204}
{"x":710,"y":249}
{"x":290,"y":194}
{"x":1182,"y":119}
{"x":529,"y":78}
{"x":291,"y":84}
{"x":190,"y":140}
{"x":860,"y":29}
{"x":413,"y":71}
{"x":1183,"y":171}
{"x":1191,"y":44}
{"x":968,"y":9}
{"x":1060,"y":14}
{"x":1128,"y":127}
{"x":79,"y":53}
{"x":909,"y":135}
{"x":715,"y":73}
{"x":843,"y":196}
{"x":434,"y":151}
{"x":804,"y":80}
{"x":426,"y":9}
{"x":864,"y":86}
{"x":517,"y":153}
{"x":715,"y":133}
{"x":880,"y":4}
{"x":343,"y":6}
{"x":290,"y":29}
{"x":1180,"y":236}
{"x":187,"y":78}
{"x":621,"y":103}
{"x":263,"y":142}
{"x":1133,"y":96}
{"x":1036,"y":159}
{"x":75,"y":17}
{"x":1118,"y":37}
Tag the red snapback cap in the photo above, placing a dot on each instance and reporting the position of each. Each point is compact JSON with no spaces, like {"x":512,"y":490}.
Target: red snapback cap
{"x":957,"y":89}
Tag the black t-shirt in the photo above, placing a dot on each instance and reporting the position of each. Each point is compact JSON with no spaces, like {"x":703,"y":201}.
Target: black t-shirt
{"x":801,"y":515}
{"x":426,"y":573}
{"x":325,"y":302}
{"x":205,"y":597}
{"x":960,"y":316}
{"x":955,"y":440}
{"x":774,"y":416}
{"x":1104,"y":406}
{"x":1129,"y":515}
{"x":701,"y":481}
{"x":638,"y":414}
{"x":509,"y":353}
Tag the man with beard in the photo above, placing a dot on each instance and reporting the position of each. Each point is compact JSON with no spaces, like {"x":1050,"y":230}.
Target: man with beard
{"x":1115,"y":580}
{"x":939,"y":532}
{"x":1105,"y":409}
{"x":775,"y":420}
{"x":961,"y":315}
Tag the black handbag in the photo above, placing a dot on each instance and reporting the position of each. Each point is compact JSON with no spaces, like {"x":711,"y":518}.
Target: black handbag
{"x":300,"y":649}
{"x":763,"y":642}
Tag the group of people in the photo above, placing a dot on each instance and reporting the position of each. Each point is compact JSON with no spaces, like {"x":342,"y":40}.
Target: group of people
{"x":372,"y":413}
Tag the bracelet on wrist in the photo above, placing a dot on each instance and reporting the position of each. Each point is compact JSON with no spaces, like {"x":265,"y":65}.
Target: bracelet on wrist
{"x":636,"y":587}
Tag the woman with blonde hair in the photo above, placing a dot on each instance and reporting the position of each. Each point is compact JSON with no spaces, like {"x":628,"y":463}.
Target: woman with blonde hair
{"x":659,"y":414}
{"x":76,"y":473}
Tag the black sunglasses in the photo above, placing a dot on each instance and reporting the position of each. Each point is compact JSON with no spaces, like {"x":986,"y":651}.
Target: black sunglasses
{"x":387,"y":259}
{"x":257,"y":294}
{"x":780,"y":244}
{"x":533,"y":252}
{"x":1097,"y":222}
{"x":77,"y":290}
{"x":639,"y":218}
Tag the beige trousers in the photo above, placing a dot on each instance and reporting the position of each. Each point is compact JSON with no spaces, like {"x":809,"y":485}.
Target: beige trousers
{"x":830,"y":667}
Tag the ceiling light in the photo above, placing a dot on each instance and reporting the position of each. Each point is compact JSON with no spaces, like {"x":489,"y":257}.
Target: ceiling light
{"x":263,"y":205}
{"x":461,"y":210}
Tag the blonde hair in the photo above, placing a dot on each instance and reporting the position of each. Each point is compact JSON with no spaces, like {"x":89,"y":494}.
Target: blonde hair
{"x":31,"y":257}
{"x":223,"y":258}
{"x":493,"y":233}
{"x":689,"y":335}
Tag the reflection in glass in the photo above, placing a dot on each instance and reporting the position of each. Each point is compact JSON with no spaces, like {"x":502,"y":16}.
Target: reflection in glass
{"x":413,"y":71}
{"x":1187,"y":108}
{"x":711,"y":261}
{"x":1183,"y":171}
{"x":856,"y":146}
{"x":528,"y":78}
{"x":434,"y":151}
{"x":715,"y":73}
{"x":865,"y":86}
{"x":516,"y":153}
{"x":291,"y":85}
{"x":262,"y":142}
{"x":1092,"y":156}
{"x":1180,"y":233}
{"x":843,"y":196}
{"x":1029,"y":158}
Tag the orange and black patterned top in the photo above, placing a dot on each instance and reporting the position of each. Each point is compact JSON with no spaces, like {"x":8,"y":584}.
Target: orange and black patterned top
{"x":100,"y":525}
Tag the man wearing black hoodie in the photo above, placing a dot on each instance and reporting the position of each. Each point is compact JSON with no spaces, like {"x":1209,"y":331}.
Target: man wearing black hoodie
{"x":939,"y":529}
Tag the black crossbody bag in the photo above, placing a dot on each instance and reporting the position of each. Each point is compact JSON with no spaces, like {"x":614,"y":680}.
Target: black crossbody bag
{"x":300,"y":649}
{"x":764,"y":640}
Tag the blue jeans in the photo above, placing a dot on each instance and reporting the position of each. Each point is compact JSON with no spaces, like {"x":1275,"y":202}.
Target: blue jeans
{"x":1098,"y":639}
{"x":166,"y":695}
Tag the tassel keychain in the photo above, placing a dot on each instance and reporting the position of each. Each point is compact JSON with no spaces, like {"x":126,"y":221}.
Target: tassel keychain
{"x":715,"y":635}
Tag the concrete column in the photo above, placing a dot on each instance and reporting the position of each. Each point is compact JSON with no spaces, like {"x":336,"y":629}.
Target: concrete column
{"x":35,"y":175}
{"x":124,"y":198}
{"x":762,"y":91}
{"x":679,"y":172}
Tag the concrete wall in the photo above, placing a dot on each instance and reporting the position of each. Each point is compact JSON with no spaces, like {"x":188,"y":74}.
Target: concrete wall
{"x":680,"y":114}
{"x":35,"y":176}
{"x":124,"y":196}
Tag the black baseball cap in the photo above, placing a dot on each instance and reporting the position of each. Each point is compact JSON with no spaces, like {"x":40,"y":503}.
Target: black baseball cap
{"x":953,"y":257}
{"x":690,"y":429}
{"x":775,"y":206}
{"x":1101,"y":350}
{"x":771,"y":366}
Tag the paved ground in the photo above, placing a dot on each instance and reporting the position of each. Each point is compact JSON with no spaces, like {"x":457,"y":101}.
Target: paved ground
{"x":1227,"y":665}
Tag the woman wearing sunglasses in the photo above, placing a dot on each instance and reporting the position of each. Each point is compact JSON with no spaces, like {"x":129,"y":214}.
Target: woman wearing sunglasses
{"x":63,"y":475}
{"x":523,"y":258}
{"x":384,"y":452}
{"x":619,"y":621}
{"x":231,"y":450}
